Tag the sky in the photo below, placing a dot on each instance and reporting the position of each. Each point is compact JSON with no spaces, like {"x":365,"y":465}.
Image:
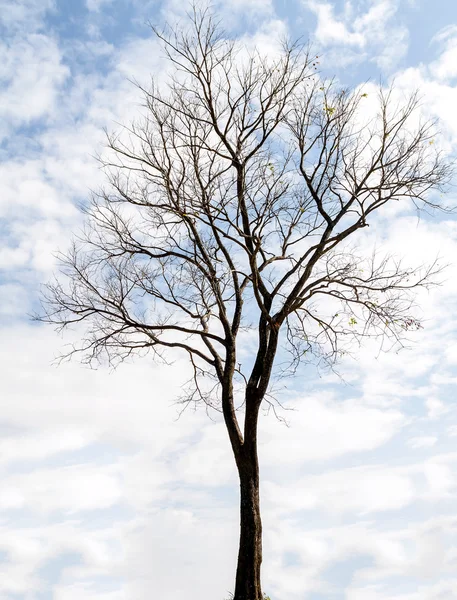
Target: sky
{"x":105,"y":494}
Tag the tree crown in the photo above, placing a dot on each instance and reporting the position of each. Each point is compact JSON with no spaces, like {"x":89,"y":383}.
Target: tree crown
{"x":228,"y":210}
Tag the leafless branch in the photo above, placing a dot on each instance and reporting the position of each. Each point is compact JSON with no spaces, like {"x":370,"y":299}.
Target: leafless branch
{"x":228,"y":208}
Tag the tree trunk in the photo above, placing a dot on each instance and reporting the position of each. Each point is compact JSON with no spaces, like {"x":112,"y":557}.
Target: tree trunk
{"x":247,"y":585}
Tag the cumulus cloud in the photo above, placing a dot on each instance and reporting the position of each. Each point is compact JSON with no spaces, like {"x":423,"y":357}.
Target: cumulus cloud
{"x":24,"y":15}
{"x":351,"y":425}
{"x":444,"y":68}
{"x":94,"y":466}
{"x":371,"y":31}
{"x":31,"y":74}
{"x":360,"y":490}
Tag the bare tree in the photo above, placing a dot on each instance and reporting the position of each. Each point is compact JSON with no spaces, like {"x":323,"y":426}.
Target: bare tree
{"x":228,"y":208}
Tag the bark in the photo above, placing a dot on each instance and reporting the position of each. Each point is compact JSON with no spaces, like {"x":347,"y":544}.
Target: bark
{"x":247,"y":583}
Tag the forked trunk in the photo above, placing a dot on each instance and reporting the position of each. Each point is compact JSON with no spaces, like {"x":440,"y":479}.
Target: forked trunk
{"x":247,"y":581}
{"x":247,"y":585}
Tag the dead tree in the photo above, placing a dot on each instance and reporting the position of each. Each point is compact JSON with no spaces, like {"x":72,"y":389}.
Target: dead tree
{"x":229,"y":205}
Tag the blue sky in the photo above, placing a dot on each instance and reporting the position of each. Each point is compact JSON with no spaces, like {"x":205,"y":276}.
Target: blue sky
{"x":104,"y":494}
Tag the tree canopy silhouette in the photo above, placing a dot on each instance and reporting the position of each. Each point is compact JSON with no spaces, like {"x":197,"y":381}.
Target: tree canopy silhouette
{"x":229,"y":206}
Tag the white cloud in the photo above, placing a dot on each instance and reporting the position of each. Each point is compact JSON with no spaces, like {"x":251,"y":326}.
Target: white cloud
{"x":31,"y":73}
{"x":97,"y":5}
{"x":425,"y":441}
{"x":234,"y":14}
{"x":371,"y":31}
{"x":331,"y":30}
{"x":14,"y":297}
{"x":436,"y":408}
{"x":324,"y":427}
{"x":417,"y":550}
{"x":29,"y":549}
{"x":79,"y":442}
{"x":40,"y":182}
{"x":40,"y":445}
{"x":359,"y":490}
{"x":183,"y":538}
{"x":440,"y":479}
{"x":24,"y":15}
{"x":82,"y":590}
{"x":211,"y":462}
{"x":65,"y":394}
{"x":445,"y":67}
{"x":68,"y":489}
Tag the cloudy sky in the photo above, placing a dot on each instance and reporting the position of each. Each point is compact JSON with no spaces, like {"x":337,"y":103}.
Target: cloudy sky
{"x":104,"y":494}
